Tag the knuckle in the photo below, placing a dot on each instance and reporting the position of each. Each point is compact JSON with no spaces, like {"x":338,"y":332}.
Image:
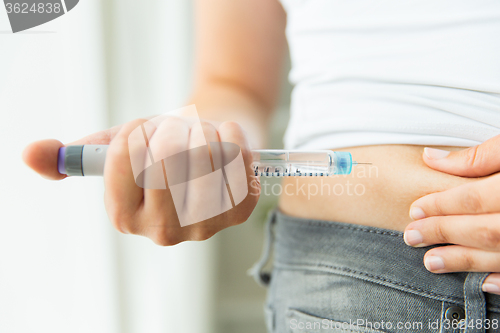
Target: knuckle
{"x":490,"y":237}
{"x":163,"y":237}
{"x":474,"y":158}
{"x":120,"y":142}
{"x":139,"y":121}
{"x":116,"y":223}
{"x":440,"y":231}
{"x":131,"y":226}
{"x":242,"y":214}
{"x":438,"y":204}
{"x":230,"y":126}
{"x":206,"y":126}
{"x":202,"y":234}
{"x":173,"y":121}
{"x":241,"y":220}
{"x":473,"y":201}
{"x":121,"y":222}
{"x":132,"y":125}
{"x":203,"y":129}
{"x":166,"y":125}
{"x":119,"y":147}
{"x":470,"y":156}
{"x":468,"y":262}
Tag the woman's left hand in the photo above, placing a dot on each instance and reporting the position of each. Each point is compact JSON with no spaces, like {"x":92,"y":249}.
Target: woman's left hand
{"x":467,"y":216}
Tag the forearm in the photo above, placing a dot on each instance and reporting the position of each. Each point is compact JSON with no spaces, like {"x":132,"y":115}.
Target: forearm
{"x":224,"y":101}
{"x":239,"y":50}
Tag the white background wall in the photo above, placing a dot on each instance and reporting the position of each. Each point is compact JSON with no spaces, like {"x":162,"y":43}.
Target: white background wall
{"x":57,"y":263}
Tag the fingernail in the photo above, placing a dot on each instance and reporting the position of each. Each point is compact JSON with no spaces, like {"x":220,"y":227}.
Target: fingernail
{"x":434,"y":263}
{"x":491,"y":288}
{"x":436,"y":154}
{"x":417,"y":213}
{"x":413,"y":237}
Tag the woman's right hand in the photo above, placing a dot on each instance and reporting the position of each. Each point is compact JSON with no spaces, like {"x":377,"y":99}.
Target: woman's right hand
{"x":151,"y":212}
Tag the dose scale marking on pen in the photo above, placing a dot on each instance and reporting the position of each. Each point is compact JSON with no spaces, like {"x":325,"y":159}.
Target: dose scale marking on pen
{"x":88,"y":160}
{"x":309,"y":163}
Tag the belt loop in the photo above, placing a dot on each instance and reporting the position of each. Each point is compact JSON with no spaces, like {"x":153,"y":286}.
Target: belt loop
{"x":257,"y":271}
{"x":475,"y":303}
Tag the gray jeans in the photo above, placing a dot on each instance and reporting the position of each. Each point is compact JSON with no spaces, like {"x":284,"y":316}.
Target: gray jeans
{"x":338,"y":277}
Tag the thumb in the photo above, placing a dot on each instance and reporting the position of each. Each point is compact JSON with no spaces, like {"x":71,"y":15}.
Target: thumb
{"x":477,"y":161}
{"x":41,"y":156}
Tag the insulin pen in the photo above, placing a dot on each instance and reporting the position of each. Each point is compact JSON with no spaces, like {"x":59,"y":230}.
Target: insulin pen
{"x":88,"y":160}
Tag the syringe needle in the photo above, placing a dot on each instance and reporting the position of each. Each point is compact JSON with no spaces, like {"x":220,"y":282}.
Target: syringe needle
{"x":357,"y":163}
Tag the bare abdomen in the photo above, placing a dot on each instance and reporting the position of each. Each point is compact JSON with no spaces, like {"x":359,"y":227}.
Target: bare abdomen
{"x":377,"y":195}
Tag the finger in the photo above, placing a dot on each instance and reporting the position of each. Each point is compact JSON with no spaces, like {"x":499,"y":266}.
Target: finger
{"x":492,"y":284}
{"x":456,"y":258}
{"x":123,"y":197}
{"x":244,"y":186}
{"x":476,"y":161}
{"x":41,"y":156}
{"x":170,"y":138}
{"x":473,"y":198}
{"x":241,"y":187}
{"x":98,"y":138}
{"x":479,"y":231}
{"x":206,"y":194}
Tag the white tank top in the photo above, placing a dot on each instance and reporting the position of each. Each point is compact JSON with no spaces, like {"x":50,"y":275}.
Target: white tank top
{"x":369,"y":72}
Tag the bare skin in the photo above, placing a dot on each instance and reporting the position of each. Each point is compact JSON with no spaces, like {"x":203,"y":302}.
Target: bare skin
{"x":376,"y":195}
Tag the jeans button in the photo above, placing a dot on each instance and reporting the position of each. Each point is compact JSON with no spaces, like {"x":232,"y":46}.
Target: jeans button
{"x":455,"y":313}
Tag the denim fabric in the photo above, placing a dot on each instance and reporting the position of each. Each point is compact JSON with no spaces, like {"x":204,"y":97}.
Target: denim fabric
{"x":339,"y":277}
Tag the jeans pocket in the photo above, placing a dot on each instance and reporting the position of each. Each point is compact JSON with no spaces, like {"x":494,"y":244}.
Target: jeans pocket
{"x":301,"y":322}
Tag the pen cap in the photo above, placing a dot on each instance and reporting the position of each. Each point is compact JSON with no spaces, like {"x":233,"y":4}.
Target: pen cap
{"x":342,"y":163}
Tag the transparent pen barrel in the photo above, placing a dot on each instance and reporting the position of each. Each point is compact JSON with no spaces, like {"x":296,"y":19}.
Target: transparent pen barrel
{"x":300,"y":163}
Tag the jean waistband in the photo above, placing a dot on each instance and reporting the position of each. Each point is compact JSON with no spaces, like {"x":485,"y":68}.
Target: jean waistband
{"x":369,"y":253}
